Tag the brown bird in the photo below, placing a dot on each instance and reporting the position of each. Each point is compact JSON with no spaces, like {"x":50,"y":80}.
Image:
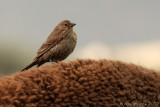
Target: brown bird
{"x":59,"y":44}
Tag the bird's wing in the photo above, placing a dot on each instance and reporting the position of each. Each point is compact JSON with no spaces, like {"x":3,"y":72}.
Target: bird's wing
{"x":53,"y":39}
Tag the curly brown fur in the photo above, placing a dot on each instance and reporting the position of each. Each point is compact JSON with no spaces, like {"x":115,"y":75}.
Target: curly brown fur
{"x":81,"y":83}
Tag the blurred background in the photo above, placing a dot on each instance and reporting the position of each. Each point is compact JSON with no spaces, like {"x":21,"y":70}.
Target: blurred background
{"x":126,"y":30}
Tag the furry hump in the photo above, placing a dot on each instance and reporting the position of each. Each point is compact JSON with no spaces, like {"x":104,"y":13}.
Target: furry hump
{"x":82,"y":83}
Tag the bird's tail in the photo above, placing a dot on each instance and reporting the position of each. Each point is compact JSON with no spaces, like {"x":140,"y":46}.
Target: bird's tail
{"x":30,"y":65}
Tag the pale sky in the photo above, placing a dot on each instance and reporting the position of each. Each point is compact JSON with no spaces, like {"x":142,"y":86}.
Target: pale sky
{"x":25,"y":24}
{"x":109,"y":21}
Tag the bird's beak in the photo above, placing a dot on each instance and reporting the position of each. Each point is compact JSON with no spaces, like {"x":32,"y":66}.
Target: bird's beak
{"x":72,"y":24}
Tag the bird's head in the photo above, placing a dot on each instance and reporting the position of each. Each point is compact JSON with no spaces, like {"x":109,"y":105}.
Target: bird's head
{"x":66,"y":24}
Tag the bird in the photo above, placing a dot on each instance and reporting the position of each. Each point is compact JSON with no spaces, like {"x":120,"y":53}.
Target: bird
{"x":58,"y":46}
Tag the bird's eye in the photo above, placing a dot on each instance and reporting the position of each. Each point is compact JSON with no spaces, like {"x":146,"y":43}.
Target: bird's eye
{"x":65,"y":24}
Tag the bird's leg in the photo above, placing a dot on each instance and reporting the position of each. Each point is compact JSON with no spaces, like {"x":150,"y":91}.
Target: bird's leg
{"x":51,"y":61}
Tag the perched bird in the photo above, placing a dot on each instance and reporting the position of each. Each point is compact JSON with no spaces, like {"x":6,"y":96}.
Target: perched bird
{"x":59,"y":44}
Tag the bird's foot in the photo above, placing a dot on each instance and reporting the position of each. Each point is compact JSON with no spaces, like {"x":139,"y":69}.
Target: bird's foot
{"x":57,"y":61}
